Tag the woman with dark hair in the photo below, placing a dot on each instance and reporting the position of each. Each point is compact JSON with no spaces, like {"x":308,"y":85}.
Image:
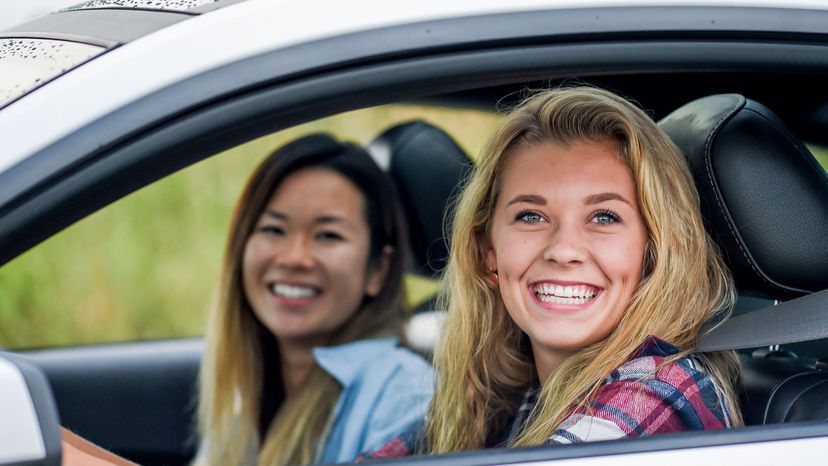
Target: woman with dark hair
{"x":304,"y":338}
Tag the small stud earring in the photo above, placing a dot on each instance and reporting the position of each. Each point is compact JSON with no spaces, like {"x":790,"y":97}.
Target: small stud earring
{"x":492,"y":278}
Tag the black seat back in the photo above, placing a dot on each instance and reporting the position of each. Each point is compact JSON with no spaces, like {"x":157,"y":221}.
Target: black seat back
{"x":427,"y":167}
{"x":764,"y":199}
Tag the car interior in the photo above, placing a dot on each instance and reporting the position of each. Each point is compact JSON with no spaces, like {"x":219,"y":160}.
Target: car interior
{"x":764,"y":197}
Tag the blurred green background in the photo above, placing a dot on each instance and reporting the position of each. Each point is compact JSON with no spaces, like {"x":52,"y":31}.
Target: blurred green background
{"x":145,"y":267}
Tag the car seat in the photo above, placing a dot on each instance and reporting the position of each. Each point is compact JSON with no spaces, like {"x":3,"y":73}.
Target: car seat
{"x":427,"y":167}
{"x":764,"y":199}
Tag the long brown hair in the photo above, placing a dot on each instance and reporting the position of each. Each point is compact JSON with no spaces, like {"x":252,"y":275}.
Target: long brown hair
{"x":484,"y":360}
{"x":243,"y":417}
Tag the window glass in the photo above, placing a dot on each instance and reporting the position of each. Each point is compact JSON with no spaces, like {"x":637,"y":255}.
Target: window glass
{"x":145,"y":267}
{"x":26,"y":64}
{"x":179,"y":5}
{"x":821,"y":154}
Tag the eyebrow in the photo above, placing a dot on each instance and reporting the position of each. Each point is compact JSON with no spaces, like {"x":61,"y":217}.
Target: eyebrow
{"x":604,"y":197}
{"x":528,"y":198}
{"x":275,"y":214}
{"x":324,"y":219}
{"x":333,"y":219}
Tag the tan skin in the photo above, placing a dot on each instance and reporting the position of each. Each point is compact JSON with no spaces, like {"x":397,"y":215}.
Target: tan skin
{"x":567,"y":240}
{"x":80,"y":452}
{"x":305,"y":267}
{"x":296,"y":363}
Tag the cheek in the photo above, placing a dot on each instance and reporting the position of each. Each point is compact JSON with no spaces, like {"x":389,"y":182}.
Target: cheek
{"x":346,"y":265}
{"x":622,"y":254}
{"x":516,"y":252}
{"x":340,"y":260}
{"x":251,"y":262}
{"x":253,"y":255}
{"x":635,"y":254}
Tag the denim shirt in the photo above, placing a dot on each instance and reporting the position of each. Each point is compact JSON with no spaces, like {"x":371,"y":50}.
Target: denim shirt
{"x":385,"y":389}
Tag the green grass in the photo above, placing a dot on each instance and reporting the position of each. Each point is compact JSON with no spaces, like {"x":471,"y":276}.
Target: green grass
{"x":146,"y":267}
{"x":821,"y":154}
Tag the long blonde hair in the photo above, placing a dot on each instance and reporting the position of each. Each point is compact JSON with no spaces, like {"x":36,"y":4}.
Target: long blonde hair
{"x":484,"y":363}
{"x":240,"y":373}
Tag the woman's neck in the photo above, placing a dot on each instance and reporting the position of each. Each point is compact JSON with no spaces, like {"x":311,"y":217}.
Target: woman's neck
{"x":295,"y":361}
{"x":547,"y":361}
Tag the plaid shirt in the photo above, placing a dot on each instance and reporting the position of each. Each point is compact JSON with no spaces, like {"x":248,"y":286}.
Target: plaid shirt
{"x":644,"y":396}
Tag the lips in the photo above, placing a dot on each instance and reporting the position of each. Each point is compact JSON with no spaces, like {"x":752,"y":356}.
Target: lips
{"x":565,"y":294}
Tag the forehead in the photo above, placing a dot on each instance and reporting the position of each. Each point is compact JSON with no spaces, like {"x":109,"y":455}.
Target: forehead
{"x":316,"y":191}
{"x":581,"y":167}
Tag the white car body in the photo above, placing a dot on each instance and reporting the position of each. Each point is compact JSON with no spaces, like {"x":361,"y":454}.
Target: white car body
{"x":39,"y":122}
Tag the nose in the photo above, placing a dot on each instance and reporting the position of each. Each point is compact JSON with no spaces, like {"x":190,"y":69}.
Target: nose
{"x":295,"y":253}
{"x":566,"y":246}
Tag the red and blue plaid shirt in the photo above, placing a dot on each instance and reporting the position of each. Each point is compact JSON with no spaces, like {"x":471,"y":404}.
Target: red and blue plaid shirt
{"x":644,"y":396}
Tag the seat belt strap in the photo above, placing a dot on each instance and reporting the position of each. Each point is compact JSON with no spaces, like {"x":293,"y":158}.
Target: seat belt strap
{"x":801,"y":319}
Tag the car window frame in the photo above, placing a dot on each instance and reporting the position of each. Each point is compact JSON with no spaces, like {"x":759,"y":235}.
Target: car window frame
{"x":176,"y":133}
{"x":82,"y":174}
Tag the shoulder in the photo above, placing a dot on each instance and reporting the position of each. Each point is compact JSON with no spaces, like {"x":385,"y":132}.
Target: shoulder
{"x":655,"y":370}
{"x":649,"y":394}
{"x":407,"y":381}
{"x":386,"y":390}
{"x":654,"y":383}
{"x":373,"y":359}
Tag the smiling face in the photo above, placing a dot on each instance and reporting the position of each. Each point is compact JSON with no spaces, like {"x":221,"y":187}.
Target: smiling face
{"x":567,"y":241}
{"x":305,"y":266}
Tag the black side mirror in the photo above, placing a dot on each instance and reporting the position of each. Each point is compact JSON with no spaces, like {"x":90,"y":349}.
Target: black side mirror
{"x":29,"y":423}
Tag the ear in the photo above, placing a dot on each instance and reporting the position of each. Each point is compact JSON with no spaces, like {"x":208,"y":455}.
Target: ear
{"x":378,"y":272}
{"x":489,"y":255}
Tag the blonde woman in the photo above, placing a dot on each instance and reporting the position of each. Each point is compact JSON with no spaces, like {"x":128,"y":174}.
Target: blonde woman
{"x":580,"y":275}
{"x":303,"y":362}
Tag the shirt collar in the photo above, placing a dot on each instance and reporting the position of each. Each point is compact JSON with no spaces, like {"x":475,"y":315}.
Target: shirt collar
{"x":654,"y":346}
{"x":344,"y":362}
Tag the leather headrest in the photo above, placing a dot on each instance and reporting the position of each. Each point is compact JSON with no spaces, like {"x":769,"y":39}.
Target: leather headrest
{"x":427,"y":166}
{"x":763,"y":195}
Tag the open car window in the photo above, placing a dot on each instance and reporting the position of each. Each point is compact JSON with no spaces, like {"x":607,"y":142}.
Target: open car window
{"x":145,"y":267}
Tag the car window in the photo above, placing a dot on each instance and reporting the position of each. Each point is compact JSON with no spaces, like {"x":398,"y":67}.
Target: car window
{"x":26,"y":64}
{"x":821,"y":154}
{"x":180,"y":5}
{"x":145,"y":267}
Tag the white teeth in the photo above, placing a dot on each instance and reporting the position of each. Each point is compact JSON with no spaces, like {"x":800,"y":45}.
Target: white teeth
{"x":554,"y":299}
{"x":565,"y":294}
{"x":292,"y":291}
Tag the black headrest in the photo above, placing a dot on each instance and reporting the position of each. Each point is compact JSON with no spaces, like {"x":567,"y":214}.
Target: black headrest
{"x":427,"y":166}
{"x":763,"y":195}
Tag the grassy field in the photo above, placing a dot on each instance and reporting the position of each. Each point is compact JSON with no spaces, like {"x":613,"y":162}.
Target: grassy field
{"x":145,"y":267}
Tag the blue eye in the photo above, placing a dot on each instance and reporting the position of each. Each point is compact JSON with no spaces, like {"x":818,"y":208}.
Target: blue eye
{"x":605,"y":217}
{"x":529,"y":217}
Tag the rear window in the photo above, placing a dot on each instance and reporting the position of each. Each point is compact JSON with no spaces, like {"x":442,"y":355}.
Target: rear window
{"x":177,"y":5}
{"x":26,"y":64}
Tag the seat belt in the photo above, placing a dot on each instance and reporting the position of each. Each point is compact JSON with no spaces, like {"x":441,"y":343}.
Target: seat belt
{"x":801,"y":319}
